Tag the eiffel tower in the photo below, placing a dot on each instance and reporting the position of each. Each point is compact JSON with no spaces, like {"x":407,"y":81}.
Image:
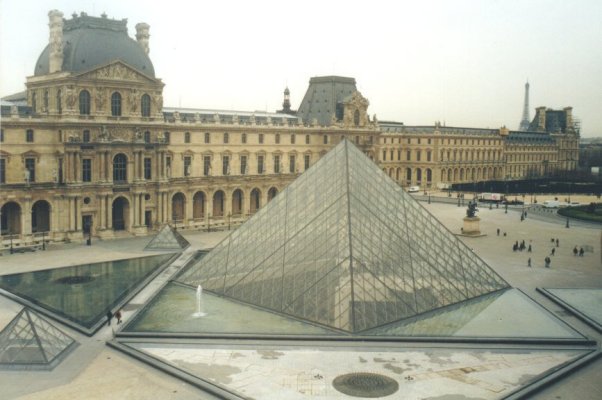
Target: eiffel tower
{"x":524,"y":122}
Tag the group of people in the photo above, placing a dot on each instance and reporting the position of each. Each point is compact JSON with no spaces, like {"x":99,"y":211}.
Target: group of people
{"x":110,"y":316}
{"x":580,"y":251}
{"x":522,"y":246}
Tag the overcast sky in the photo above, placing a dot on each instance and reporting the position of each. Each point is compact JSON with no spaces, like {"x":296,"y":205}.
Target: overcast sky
{"x":463,"y":63}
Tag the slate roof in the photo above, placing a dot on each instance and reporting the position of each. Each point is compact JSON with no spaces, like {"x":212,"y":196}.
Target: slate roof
{"x":322,"y":96}
{"x":89,"y":42}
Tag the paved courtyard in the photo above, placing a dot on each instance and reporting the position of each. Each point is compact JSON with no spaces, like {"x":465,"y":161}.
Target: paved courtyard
{"x":94,"y":371}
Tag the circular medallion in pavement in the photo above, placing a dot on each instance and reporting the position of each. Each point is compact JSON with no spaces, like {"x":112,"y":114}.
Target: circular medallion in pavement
{"x":365,"y":384}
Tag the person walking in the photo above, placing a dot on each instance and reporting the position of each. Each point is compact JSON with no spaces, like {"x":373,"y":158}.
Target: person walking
{"x":581,"y":252}
{"x":575,"y":251}
{"x":118,"y":316}
{"x":109,"y":317}
{"x":557,"y":243}
{"x":498,"y":231}
{"x":529,"y":262}
{"x":553,"y":251}
{"x":547,"y":260}
{"x":529,"y":249}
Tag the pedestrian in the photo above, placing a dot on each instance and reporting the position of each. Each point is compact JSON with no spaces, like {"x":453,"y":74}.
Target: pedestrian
{"x":581,"y":252}
{"x":109,"y":317}
{"x":529,"y":262}
{"x":118,"y":316}
{"x":547,"y":260}
{"x":557,"y":242}
{"x":529,"y":249}
{"x":575,"y":251}
{"x":553,"y":250}
{"x":498,"y":231}
{"x":525,"y":213}
{"x":504,"y":234}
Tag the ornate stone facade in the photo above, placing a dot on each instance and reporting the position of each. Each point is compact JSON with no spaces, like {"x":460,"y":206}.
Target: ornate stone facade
{"x":94,"y":152}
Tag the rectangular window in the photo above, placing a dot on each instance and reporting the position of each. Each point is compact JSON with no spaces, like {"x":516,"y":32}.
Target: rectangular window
{"x":207,"y":138}
{"x":428,"y":156}
{"x":2,"y":170}
{"x":384,"y":155}
{"x":391,"y":155}
{"x":293,"y":139}
{"x":325,"y":139}
{"x":276,"y":164}
{"x":226,"y":138}
{"x":29,"y":136}
{"x":243,"y":138}
{"x":408,"y":155}
{"x":86,"y":170}
{"x":429,"y":141}
{"x":418,"y":140}
{"x":225,"y":165}
{"x":398,"y":155}
{"x":306,"y":160}
{"x":260,"y":138}
{"x":187,"y":165}
{"x":186,"y":137}
{"x":260,"y":164}
{"x":409,"y":140}
{"x":291,"y":164}
{"x":243,"y":165}
{"x":277,"y":138}
{"x":306,"y":139}
{"x":147,"y":137}
{"x":167,"y":137}
{"x":147,"y":168}
{"x":206,"y":165}
{"x":86,"y":136}
{"x":418,"y":154}
{"x":30,"y":167}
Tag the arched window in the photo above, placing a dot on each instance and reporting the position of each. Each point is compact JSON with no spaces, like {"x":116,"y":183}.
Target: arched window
{"x":226,"y":138}
{"x":120,"y":163}
{"x":145,"y":105}
{"x":116,"y":104}
{"x":84,"y":102}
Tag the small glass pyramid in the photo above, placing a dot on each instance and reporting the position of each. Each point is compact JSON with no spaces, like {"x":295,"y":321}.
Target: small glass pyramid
{"x":30,"y":339}
{"x":167,"y":239}
{"x":344,"y":246}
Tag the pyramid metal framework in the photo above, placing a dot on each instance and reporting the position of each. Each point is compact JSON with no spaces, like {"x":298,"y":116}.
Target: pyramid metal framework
{"x":344,"y":246}
{"x":30,"y":339}
{"x":167,"y":239}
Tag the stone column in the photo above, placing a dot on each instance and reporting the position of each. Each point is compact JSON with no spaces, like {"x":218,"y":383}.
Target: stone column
{"x":142,"y":208}
{"x":188,"y":210}
{"x":26,"y":217}
{"x":77,"y":170}
{"x":109,"y":212}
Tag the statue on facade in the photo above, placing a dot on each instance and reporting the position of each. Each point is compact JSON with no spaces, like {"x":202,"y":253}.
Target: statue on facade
{"x":103,"y":136}
{"x":472,"y":209}
{"x":100,"y":99}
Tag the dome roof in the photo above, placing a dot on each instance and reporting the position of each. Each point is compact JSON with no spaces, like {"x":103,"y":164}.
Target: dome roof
{"x":89,"y":42}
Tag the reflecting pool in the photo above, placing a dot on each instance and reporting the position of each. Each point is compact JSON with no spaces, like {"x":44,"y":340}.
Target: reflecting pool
{"x":82,"y":294}
{"x":172,"y":311}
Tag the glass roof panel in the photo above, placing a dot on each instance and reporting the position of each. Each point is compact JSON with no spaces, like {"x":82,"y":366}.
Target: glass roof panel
{"x":586,"y":301}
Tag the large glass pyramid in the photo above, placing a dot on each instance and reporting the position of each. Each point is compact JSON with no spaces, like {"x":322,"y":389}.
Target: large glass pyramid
{"x":30,"y":339}
{"x":167,"y":239}
{"x":344,"y":246}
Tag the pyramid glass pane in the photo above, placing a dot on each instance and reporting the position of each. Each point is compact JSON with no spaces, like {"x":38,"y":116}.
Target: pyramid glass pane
{"x":582,"y":301}
{"x":82,"y":294}
{"x":30,"y":339}
{"x":167,"y":239}
{"x":346,"y":247}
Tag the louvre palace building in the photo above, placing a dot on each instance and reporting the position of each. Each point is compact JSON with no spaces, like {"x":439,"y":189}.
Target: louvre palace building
{"x":90,"y":150}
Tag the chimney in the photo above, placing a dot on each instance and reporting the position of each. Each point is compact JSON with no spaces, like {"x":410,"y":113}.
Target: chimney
{"x":55,"y":58}
{"x":142,"y":35}
{"x":541,"y":118}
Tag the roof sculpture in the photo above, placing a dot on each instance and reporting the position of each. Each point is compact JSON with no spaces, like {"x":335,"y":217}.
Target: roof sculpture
{"x":344,"y":246}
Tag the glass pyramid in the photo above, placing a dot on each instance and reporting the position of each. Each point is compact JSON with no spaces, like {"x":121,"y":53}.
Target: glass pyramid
{"x":344,"y":246}
{"x":167,"y":239}
{"x":30,"y":339}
